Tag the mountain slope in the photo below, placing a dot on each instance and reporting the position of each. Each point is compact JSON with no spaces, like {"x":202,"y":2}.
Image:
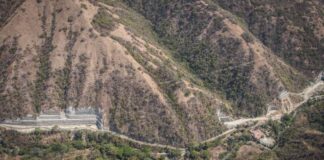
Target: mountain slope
{"x":304,"y":138}
{"x":293,"y":29}
{"x":159,"y":70}
{"x":220,"y":51}
{"x":60,"y":54}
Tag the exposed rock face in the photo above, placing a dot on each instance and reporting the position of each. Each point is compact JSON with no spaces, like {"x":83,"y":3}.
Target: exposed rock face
{"x":159,"y":70}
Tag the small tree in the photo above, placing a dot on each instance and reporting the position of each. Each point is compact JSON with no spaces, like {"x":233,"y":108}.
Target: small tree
{"x":78,"y":135}
{"x":59,"y":148}
{"x":55,"y":129}
{"x":37,"y":133}
{"x":287,"y":119}
{"x":79,"y":144}
{"x":174,"y":153}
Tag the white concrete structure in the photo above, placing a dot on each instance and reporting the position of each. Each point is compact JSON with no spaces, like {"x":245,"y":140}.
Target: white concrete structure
{"x":82,"y":116}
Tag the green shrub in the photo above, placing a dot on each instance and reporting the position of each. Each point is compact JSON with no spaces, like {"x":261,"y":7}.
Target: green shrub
{"x":79,"y":144}
{"x":78,"y":135}
{"x":173,"y":154}
{"x":103,"y":22}
{"x":59,"y":148}
{"x":287,"y":119}
{"x":247,"y":37}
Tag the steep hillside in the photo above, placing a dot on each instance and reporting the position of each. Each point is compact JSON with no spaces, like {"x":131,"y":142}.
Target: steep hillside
{"x":304,"y":138}
{"x":7,"y":8}
{"x":298,"y":136}
{"x":56,"y":54}
{"x":293,"y":29}
{"x":219,"y":50}
{"x":159,"y":70}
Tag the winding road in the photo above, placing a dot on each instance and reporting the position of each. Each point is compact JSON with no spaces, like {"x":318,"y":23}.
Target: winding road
{"x":306,"y":94}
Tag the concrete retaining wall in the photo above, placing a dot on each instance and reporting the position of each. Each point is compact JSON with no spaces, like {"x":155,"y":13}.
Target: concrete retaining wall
{"x":78,"y":117}
{"x":85,"y":116}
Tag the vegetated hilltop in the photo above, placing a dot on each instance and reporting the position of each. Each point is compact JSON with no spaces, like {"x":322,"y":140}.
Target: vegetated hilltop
{"x":160,"y":70}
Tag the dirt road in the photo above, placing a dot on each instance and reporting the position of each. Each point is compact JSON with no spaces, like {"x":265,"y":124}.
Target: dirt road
{"x":307,"y":93}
